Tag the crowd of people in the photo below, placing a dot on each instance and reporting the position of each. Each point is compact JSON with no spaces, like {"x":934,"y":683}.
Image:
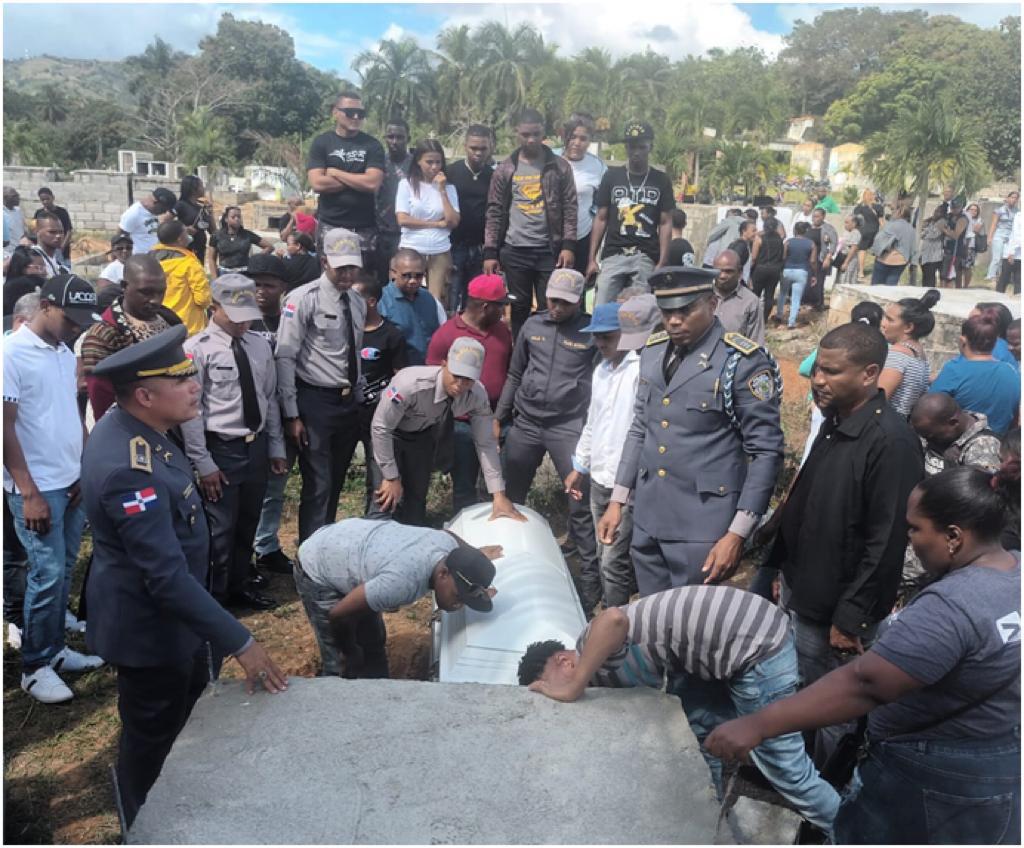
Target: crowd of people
{"x":437,"y":315}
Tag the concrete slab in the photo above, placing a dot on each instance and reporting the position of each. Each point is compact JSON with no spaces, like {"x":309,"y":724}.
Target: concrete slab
{"x":388,"y":761}
{"x":949,"y":312}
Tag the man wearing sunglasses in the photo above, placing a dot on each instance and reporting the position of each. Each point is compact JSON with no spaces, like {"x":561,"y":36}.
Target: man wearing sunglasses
{"x":346,"y":168}
{"x":407,"y":303}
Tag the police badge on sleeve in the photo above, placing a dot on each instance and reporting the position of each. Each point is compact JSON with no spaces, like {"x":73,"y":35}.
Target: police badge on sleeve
{"x":762,"y":385}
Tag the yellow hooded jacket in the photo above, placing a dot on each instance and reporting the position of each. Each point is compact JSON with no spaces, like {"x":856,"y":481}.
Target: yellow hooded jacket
{"x":188,"y":290}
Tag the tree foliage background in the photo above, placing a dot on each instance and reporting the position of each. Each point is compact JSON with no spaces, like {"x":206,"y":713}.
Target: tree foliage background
{"x":244,"y":93}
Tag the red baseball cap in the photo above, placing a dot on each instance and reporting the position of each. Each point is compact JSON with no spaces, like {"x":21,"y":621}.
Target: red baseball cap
{"x":489,"y":287}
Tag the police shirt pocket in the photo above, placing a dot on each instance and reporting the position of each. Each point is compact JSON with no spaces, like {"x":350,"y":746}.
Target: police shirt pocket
{"x":959,"y":820}
{"x":326,"y":322}
{"x":704,"y":411}
{"x":223,"y":374}
{"x":720,"y":482}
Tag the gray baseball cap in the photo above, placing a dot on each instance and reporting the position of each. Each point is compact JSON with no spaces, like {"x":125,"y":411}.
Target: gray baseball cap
{"x":638,"y":316}
{"x":236,"y":295}
{"x":566,"y":284}
{"x":466,"y":358}
{"x":341,"y":248}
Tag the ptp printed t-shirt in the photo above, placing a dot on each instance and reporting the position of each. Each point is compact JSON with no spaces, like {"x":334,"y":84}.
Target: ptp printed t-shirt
{"x":393,"y":560}
{"x":346,"y":208}
{"x":961,"y":638}
{"x":527,"y":218}
{"x":635,"y":204}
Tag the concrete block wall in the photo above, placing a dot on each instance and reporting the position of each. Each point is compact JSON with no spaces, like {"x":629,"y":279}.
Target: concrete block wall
{"x":94,"y":199}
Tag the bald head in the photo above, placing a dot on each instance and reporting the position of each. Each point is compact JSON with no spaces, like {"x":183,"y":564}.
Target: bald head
{"x":144,"y":286}
{"x":938,"y":419}
{"x":142,"y":264}
{"x":728,"y":265}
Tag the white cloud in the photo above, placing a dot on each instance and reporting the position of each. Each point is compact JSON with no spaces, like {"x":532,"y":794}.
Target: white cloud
{"x":675,"y":29}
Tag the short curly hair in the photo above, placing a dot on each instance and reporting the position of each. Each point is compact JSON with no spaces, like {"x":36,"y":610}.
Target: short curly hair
{"x":531,"y":666}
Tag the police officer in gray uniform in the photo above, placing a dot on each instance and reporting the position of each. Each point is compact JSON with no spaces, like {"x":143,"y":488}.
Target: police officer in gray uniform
{"x":407,"y":424}
{"x":546,"y":397}
{"x":318,"y":376}
{"x":149,"y":613}
{"x":236,"y":438}
{"x":705,"y":448}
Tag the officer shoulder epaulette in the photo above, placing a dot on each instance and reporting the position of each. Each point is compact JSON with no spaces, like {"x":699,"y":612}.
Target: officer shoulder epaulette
{"x":139,"y":455}
{"x":741,"y":343}
{"x":657,"y":338}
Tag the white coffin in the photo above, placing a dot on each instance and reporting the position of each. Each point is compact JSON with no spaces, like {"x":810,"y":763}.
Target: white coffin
{"x":536,"y":600}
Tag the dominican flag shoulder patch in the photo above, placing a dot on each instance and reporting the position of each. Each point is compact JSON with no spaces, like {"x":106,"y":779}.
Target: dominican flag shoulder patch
{"x":137,"y":503}
{"x":289,"y":310}
{"x":394,"y":395}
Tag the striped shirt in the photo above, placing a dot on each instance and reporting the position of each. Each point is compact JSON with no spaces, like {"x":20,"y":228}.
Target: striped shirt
{"x":916,"y":376}
{"x":715,"y":632}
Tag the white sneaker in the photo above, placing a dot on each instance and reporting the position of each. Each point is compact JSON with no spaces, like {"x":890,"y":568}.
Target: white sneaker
{"x":14,"y":636}
{"x":72,"y":624}
{"x":69,"y":660}
{"x":46,"y":686}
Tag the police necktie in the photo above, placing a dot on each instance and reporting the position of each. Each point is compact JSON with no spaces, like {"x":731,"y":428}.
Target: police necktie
{"x":353,"y":372}
{"x":250,"y":403}
{"x":675,"y":356}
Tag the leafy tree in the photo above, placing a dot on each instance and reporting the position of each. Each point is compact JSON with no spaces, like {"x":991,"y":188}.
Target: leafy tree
{"x":823,"y":60}
{"x":100,"y":128}
{"x":930,"y":146}
{"x":397,"y":79}
{"x":506,"y":60}
{"x":205,"y":139}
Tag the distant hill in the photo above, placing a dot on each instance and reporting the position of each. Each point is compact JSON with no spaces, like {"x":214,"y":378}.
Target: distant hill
{"x":81,"y":78}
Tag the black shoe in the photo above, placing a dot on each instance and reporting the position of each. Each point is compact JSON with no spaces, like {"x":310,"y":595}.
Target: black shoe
{"x":256,"y":580}
{"x":275,"y":561}
{"x":250,"y":598}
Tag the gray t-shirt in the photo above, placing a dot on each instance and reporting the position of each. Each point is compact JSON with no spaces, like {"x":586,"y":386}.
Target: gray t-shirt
{"x":527,"y":219}
{"x":961,"y":638}
{"x":393,"y":560}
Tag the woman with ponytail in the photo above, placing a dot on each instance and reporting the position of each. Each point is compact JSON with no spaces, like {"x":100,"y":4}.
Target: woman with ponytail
{"x":940,"y":688}
{"x":906,"y":373}
{"x":977,"y":380}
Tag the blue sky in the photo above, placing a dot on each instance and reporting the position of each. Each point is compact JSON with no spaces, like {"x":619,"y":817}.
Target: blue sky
{"x":329,"y":35}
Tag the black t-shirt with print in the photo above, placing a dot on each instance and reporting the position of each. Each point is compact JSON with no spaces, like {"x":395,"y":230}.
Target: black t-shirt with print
{"x":347,"y":208}
{"x":233,"y":249}
{"x":383,"y":354}
{"x":634,"y":206}
{"x":678,"y":251}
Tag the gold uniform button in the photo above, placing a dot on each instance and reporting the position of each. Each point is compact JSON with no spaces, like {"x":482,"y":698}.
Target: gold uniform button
{"x":664,"y":425}
{"x":661,"y":449}
{"x":665,"y":401}
{"x":662,"y":472}
{"x":721,"y":490}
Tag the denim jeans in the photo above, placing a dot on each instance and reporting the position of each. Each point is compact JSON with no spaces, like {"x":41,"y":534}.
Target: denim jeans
{"x":951,"y":792}
{"x":886,"y":275}
{"x":465,"y":468}
{"x":617,"y":576}
{"x":266,"y":541}
{"x":783,"y":760}
{"x":621,"y":271}
{"x":794,"y":281}
{"x":15,"y":572}
{"x":51,"y":559}
{"x":995,"y":253}
{"x":467,"y":263}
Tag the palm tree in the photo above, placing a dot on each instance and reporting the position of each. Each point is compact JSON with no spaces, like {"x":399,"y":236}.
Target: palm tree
{"x":507,"y":59}
{"x":929,"y":146}
{"x":397,"y":79}
{"x":205,"y":140}
{"x":740,"y":164}
{"x":456,"y":65}
{"x":594,"y":85}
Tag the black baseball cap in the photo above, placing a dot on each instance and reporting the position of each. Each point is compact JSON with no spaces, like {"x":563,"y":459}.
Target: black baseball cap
{"x":676,"y":286}
{"x":73,"y":295}
{"x":473,"y":573}
{"x":266,"y":263}
{"x":637,"y":131}
{"x":121,"y":238}
{"x":165,"y":197}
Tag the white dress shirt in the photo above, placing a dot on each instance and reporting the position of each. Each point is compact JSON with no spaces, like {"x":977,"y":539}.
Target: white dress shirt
{"x":612,"y":399}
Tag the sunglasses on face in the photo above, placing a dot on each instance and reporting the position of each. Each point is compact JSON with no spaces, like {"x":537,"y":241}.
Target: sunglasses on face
{"x":413,"y":275}
{"x":350,"y":112}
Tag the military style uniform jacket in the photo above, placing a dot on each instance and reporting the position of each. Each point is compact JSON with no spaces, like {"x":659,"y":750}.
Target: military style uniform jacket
{"x":148,"y":605}
{"x":551,"y":370}
{"x":221,"y":400}
{"x":416,"y":400}
{"x":692,"y":468}
{"x":312,"y":340}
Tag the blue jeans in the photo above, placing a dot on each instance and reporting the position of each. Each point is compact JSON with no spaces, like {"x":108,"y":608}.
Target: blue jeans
{"x":783,"y":760}
{"x":465,"y":468}
{"x":886,"y":275}
{"x":952,"y":792}
{"x":51,"y":559}
{"x":266,"y":541}
{"x":794,"y":281}
{"x":995,"y":253}
{"x":467,"y":263}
